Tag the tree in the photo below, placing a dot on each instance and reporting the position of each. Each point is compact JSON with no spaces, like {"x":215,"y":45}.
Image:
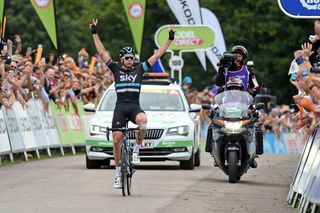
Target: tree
{"x":269,"y":35}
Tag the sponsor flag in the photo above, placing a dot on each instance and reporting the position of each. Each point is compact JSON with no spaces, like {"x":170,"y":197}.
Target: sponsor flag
{"x":46,"y":13}
{"x":1,"y":10}
{"x":158,"y":67}
{"x":187,"y":12}
{"x":219,"y":47}
{"x":135,"y":10}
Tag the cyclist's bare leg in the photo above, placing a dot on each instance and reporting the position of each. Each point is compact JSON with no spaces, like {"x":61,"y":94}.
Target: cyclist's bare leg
{"x":141,"y":120}
{"x":117,"y":138}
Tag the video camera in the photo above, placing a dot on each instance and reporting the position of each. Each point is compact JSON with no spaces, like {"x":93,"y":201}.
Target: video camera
{"x":226,"y":60}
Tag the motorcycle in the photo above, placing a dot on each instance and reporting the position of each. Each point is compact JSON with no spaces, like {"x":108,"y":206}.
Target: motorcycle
{"x":233,"y":132}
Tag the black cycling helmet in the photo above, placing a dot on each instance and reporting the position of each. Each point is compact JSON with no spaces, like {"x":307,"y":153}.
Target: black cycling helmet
{"x":126,"y":51}
{"x":234,"y":84}
{"x":241,"y":50}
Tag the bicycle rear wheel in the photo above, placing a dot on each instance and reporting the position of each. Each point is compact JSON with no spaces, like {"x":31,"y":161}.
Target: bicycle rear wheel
{"x":124,"y":170}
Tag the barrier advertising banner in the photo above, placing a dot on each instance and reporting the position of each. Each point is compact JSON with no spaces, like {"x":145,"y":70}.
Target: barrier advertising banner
{"x":70,"y":126}
{"x":49,"y":125}
{"x":15,"y":137}
{"x":41,"y":134}
{"x":4,"y":140}
{"x":24,"y":127}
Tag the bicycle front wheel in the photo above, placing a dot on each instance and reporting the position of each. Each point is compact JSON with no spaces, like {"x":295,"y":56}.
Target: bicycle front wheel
{"x":124,"y":170}
{"x":129,"y":183}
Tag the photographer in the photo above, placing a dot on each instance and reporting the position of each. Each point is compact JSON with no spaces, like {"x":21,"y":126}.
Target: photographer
{"x":234,"y":65}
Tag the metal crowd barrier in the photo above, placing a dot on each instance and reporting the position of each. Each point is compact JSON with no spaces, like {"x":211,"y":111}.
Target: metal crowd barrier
{"x":305,"y":188}
{"x":30,"y":129}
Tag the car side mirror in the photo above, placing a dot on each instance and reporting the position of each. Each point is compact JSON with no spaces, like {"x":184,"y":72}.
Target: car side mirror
{"x":195,"y":108}
{"x":89,"y":107}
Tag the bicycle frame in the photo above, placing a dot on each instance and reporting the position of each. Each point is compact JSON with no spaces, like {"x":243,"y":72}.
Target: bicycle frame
{"x":126,"y":149}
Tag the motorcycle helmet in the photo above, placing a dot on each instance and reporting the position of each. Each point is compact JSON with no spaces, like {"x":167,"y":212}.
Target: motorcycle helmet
{"x":234,"y":84}
{"x":242,"y":51}
{"x":126,"y":51}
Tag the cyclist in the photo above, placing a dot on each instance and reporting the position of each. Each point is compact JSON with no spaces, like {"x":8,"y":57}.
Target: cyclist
{"x":128,"y":78}
{"x":238,"y":69}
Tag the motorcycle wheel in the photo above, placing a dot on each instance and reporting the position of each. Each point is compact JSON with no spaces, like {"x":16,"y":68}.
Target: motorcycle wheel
{"x":233,"y":166}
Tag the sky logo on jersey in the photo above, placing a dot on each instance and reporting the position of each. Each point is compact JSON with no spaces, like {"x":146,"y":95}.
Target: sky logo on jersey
{"x":128,"y":78}
{"x":300,"y":8}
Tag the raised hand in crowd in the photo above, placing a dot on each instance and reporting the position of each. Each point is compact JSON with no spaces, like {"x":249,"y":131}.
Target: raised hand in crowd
{"x":17,"y":39}
{"x":10,"y":46}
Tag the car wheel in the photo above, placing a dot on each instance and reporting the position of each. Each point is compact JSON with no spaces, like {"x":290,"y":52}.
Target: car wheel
{"x":188,"y":164}
{"x":93,"y":164}
{"x":197,"y":160}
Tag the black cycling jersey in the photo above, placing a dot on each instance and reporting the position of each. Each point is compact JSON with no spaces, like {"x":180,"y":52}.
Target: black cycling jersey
{"x":128,"y":82}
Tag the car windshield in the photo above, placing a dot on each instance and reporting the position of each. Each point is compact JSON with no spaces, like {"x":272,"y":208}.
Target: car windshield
{"x":150,"y":100}
{"x":233,"y":103}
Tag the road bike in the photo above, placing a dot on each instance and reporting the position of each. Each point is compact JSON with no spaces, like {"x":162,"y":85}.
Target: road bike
{"x":127,"y":168}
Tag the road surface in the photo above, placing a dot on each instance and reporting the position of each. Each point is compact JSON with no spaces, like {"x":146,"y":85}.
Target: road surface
{"x":65,"y":185}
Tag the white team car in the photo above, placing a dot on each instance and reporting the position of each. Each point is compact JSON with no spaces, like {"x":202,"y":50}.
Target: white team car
{"x":173,"y":126}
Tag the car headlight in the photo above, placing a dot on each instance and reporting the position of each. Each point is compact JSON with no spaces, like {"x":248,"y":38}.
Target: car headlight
{"x":97,"y":130}
{"x":179,"y":130}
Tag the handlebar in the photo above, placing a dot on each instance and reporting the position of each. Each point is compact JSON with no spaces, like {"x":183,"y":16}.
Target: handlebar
{"x":122,"y":129}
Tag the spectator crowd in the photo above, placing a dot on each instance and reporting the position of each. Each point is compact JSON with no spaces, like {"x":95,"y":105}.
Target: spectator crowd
{"x":66,"y":81}
{"x":61,"y":80}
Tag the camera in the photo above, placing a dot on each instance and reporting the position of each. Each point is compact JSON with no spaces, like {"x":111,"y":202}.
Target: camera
{"x":226,"y":60}
{"x":3,"y":44}
{"x":20,"y":69}
{"x":6,"y":58}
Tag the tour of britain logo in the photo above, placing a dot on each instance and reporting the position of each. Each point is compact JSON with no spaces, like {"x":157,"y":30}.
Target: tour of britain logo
{"x":311,"y":4}
{"x":42,"y":3}
{"x":136,"y":10}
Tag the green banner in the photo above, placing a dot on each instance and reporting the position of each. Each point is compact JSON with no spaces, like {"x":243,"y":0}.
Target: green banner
{"x":135,"y":10}
{"x":45,"y":11}
{"x":70,"y":126}
{"x":187,"y":37}
{"x":1,"y":10}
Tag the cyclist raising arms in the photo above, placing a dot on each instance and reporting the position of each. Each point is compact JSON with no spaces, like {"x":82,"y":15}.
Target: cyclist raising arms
{"x":128,"y":80}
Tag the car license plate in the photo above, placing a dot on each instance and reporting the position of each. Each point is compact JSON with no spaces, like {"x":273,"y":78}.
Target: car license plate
{"x":147,"y":144}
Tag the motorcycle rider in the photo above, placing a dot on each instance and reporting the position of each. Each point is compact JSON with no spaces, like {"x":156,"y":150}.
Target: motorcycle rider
{"x":234,"y":83}
{"x":238,"y":69}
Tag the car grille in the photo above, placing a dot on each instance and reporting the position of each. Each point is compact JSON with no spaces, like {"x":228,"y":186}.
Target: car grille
{"x":145,"y":152}
{"x":151,"y":134}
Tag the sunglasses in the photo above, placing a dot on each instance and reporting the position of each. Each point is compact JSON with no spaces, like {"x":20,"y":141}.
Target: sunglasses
{"x":129,"y":58}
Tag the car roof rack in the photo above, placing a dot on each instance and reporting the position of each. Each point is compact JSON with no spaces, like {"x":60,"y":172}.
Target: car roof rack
{"x":157,"y":79}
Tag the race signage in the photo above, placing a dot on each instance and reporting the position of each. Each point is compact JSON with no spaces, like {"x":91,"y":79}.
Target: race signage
{"x":187,"y":37}
{"x":176,"y":63}
{"x":300,"y":8}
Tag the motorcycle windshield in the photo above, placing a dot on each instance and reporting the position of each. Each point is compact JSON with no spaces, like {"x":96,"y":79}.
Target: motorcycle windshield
{"x":233,"y":103}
